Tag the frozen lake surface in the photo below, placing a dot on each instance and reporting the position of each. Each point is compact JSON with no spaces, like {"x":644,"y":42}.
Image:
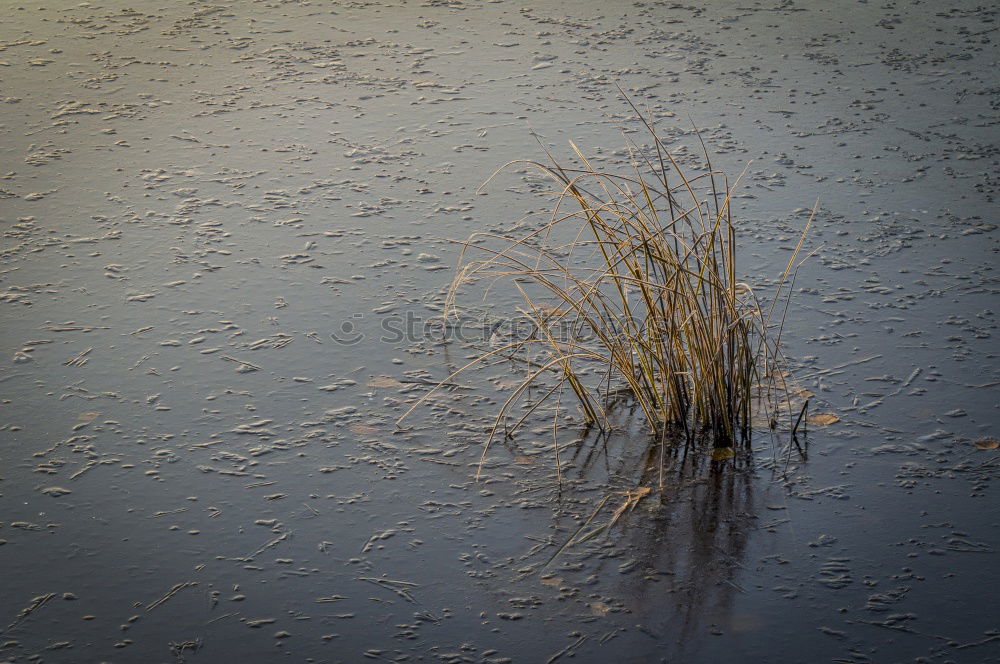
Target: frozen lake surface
{"x":216,"y":217}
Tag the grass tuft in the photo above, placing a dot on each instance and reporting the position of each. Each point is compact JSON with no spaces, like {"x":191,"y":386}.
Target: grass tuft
{"x":639,"y":302}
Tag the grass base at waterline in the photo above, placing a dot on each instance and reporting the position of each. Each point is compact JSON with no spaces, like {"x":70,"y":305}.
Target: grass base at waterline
{"x":631,"y":286}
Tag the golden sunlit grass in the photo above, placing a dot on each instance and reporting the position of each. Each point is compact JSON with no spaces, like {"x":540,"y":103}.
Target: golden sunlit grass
{"x":640,"y":302}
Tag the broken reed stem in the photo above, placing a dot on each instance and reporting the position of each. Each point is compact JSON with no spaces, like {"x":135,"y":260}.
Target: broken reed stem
{"x":798,"y":420}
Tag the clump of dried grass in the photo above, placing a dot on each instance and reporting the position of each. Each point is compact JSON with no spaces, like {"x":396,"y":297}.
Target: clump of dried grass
{"x":645,"y":297}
